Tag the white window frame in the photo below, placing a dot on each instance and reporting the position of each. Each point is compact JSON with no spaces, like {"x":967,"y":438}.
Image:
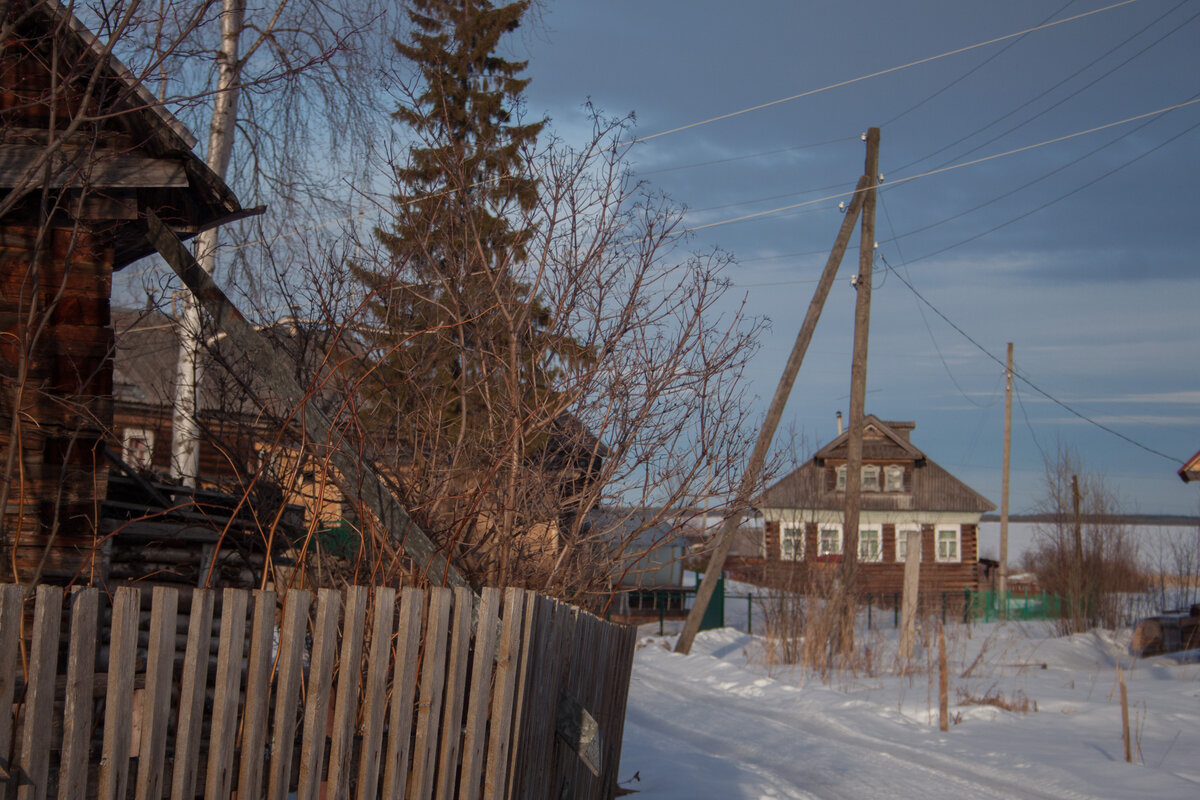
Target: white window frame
{"x":877,"y":530}
{"x":938,"y":530}
{"x":791,"y":542}
{"x":893,"y":478}
{"x":902,"y":536}
{"x":821,"y":531}
{"x":841,"y":478}
{"x":128,"y":436}
{"x":870,"y":484}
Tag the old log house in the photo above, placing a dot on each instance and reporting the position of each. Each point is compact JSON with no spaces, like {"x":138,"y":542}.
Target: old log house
{"x":902,"y":490}
{"x":85,"y":152}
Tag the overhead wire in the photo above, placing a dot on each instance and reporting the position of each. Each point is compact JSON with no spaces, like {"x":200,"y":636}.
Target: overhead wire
{"x":880,"y":73}
{"x":1029,"y":382}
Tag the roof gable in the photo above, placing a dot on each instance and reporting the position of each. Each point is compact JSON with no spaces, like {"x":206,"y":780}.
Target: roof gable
{"x":882,"y":440}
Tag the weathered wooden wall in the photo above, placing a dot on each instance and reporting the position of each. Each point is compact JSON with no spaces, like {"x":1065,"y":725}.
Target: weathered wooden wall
{"x":367,"y":693}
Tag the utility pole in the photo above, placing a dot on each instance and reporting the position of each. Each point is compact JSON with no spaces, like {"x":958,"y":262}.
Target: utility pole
{"x":1003,"y":583}
{"x":858,"y":389}
{"x":750,"y":479}
{"x":1077,"y":567}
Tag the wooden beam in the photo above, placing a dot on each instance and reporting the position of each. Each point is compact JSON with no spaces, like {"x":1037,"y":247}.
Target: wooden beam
{"x":102,"y":168}
{"x":354,"y":477}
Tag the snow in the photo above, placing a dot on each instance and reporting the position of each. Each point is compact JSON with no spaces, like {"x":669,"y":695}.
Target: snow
{"x":722,"y":722}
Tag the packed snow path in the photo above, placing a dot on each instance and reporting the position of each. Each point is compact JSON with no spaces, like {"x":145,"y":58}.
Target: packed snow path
{"x":702,"y":726}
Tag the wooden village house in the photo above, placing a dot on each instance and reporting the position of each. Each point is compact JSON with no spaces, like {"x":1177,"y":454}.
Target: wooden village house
{"x":902,"y":490}
{"x":86,"y":153}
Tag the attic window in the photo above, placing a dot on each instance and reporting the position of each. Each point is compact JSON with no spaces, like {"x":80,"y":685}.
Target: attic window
{"x":841,"y":478}
{"x":893,"y":478}
{"x":870,"y":478}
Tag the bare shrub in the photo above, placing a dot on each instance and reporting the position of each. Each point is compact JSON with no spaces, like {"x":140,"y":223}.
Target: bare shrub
{"x":1018,"y":703}
{"x":1083,"y":552}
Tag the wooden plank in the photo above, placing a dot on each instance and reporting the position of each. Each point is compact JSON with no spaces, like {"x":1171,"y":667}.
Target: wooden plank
{"x":160,"y":666}
{"x":218,"y":781}
{"x":33,"y":759}
{"x":101,"y":168}
{"x":375,"y":692}
{"x":527,"y":742}
{"x":475,"y":731}
{"x":429,"y":707}
{"x":78,"y":699}
{"x":508,"y":667}
{"x":316,"y":703}
{"x":191,"y":696}
{"x":346,"y":702}
{"x":456,"y":687}
{"x":118,"y":703}
{"x":12,"y":599}
{"x":404,"y":680}
{"x":258,"y":696}
{"x":289,"y":675}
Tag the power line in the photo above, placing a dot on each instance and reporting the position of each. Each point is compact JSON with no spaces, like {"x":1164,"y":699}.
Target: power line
{"x":879,"y":73}
{"x":1024,"y":378}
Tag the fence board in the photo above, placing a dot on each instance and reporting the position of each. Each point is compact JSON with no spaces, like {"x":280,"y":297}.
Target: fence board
{"x":456,"y":686}
{"x":118,"y":702}
{"x":287,"y":691}
{"x":218,"y":781}
{"x":320,"y":680}
{"x":408,"y":643}
{"x":258,"y":696}
{"x":349,"y":673}
{"x":433,"y":680}
{"x":475,"y":733}
{"x":156,"y":705}
{"x":33,"y":761}
{"x":12,"y":598}
{"x":78,"y":700}
{"x":508,"y":665}
{"x":191,"y":696}
{"x":375,"y":692}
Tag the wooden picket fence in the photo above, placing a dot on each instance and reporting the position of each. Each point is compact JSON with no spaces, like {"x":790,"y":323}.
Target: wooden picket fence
{"x":365,"y":693}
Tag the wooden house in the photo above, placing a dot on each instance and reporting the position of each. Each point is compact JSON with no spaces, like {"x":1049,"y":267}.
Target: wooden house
{"x":1190,"y":471}
{"x":86,"y":151}
{"x":902,"y":490}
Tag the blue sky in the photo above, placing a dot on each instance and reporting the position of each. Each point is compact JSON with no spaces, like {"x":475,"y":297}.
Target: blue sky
{"x":1083,"y":253}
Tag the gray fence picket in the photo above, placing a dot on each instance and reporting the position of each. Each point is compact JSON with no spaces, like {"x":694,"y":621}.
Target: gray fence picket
{"x":192,"y":685}
{"x":156,"y":701}
{"x":33,"y":759}
{"x":349,"y":673}
{"x":118,"y":703}
{"x":508,"y":665}
{"x":78,"y":700}
{"x":375,"y":692}
{"x":433,"y":681}
{"x":474,"y":732}
{"x":320,"y":681}
{"x":218,"y":781}
{"x":289,"y":675}
{"x":404,"y":679}
{"x":12,"y":598}
{"x":258,"y":696}
{"x":456,"y":687}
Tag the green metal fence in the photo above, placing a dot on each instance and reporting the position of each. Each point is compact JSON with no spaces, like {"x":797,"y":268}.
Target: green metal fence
{"x":990,"y":605}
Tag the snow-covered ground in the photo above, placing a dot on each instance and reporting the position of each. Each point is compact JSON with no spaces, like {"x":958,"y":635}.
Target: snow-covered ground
{"x":723,"y":723}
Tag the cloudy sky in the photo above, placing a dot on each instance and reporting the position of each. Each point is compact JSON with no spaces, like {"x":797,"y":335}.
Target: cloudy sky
{"x":1082,"y":252}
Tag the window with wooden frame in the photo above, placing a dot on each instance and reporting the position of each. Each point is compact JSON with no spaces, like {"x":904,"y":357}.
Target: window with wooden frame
{"x":829,"y":540}
{"x":137,"y":448}
{"x":893,"y":478}
{"x":870,"y":543}
{"x":870,"y":478}
{"x":791,"y":543}
{"x":841,"y":478}
{"x":949,"y":543}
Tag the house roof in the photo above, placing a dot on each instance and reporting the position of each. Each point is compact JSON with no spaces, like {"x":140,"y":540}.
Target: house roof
{"x":136,"y":148}
{"x":1190,"y":471}
{"x":929,"y":486}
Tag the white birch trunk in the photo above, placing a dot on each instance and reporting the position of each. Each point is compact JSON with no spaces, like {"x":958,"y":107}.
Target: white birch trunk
{"x":185,"y":442}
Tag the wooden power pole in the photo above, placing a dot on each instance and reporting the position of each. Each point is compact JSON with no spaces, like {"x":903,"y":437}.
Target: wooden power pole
{"x":858,"y":390}
{"x":724,"y":539}
{"x":1003,"y":577}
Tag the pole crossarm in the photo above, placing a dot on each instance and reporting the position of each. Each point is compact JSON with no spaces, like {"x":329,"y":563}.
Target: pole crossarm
{"x":354,"y":478}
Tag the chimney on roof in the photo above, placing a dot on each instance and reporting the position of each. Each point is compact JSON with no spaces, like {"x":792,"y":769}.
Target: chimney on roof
{"x":839,"y":419}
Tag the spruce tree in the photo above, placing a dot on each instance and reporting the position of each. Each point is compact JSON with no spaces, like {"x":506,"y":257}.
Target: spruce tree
{"x":464,"y":370}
